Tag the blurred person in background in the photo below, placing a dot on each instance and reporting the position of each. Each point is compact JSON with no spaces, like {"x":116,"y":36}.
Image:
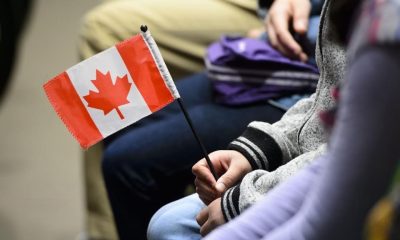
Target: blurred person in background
{"x":13,"y":17}
{"x":182,"y":30}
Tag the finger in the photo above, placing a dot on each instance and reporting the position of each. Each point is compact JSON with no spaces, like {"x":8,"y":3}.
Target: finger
{"x":216,"y":157}
{"x":202,"y":217}
{"x":197,"y":166}
{"x":206,"y":199}
{"x":285,"y":39}
{"x":273,"y":39}
{"x":255,"y":33}
{"x":219,"y":159}
{"x":202,"y":172}
{"x":303,"y":57}
{"x":204,"y":187}
{"x":271,"y":33}
{"x":229,"y":179}
{"x":283,"y":49}
{"x":205,"y":229}
{"x":204,"y":175}
{"x":301,"y":13}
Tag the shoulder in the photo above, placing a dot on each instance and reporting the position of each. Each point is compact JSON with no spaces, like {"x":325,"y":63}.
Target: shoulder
{"x":376,"y":23}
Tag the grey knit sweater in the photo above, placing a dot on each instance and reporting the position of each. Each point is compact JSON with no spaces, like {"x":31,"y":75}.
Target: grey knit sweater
{"x":277,"y":151}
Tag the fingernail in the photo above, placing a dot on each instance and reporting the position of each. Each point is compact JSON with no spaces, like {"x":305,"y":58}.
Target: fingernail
{"x":301,"y":25}
{"x":220,"y":187}
{"x":303,"y":57}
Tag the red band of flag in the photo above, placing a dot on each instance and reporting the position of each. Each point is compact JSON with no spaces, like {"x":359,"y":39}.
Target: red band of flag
{"x":72,"y":112}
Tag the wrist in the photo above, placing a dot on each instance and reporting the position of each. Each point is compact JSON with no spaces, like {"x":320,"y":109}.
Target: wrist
{"x":244,"y":164}
{"x":230,"y":203}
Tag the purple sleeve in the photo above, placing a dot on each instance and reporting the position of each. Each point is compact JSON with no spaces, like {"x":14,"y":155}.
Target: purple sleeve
{"x":276,"y":208}
{"x":362,"y":158}
{"x":364,"y":152}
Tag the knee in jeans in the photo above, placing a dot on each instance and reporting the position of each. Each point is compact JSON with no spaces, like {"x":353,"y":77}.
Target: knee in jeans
{"x":160,"y":224}
{"x":176,"y":220}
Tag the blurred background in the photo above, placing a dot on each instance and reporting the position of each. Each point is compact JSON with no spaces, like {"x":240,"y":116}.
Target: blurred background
{"x":41,"y":190}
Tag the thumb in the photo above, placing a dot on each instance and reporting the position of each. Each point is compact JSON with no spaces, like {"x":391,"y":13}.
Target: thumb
{"x":220,"y":186}
{"x":227,"y":180}
{"x":301,"y":13}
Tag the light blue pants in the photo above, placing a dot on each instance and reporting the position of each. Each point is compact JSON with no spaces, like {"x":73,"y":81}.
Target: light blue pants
{"x":176,"y":220}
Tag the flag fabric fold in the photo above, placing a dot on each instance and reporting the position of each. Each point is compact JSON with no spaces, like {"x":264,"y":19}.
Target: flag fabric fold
{"x":111,"y":90}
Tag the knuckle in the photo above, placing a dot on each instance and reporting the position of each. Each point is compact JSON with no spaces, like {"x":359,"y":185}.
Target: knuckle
{"x":228,"y":180}
{"x":212,"y":221}
{"x":272,"y":14}
{"x":267,"y":20}
{"x":198,"y":220}
{"x":273,"y":42}
{"x":195,"y":168}
{"x":280,"y":34}
{"x":214,"y":155}
{"x":196,"y":183}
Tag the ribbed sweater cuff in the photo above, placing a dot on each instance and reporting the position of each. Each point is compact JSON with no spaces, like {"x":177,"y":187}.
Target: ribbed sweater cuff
{"x":260,"y":149}
{"x":230,"y":203}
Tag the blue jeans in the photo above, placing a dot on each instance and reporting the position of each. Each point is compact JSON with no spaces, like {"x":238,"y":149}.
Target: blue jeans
{"x":177,"y":220}
{"x":149,"y":164}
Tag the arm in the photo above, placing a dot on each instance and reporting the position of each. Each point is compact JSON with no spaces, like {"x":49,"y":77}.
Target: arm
{"x":278,"y":140}
{"x":365,"y":147}
{"x":257,"y":183}
{"x":268,"y":146}
{"x":363,"y":154}
{"x":276,"y":208}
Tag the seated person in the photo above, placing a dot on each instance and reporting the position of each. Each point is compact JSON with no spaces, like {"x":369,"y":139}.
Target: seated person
{"x":293,"y":142}
{"x":331,"y":198}
{"x":182,"y":44}
{"x":149,"y":164}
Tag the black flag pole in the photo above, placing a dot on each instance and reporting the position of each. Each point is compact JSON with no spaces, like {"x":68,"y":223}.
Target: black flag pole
{"x":210,"y":165}
{"x":144,"y":28}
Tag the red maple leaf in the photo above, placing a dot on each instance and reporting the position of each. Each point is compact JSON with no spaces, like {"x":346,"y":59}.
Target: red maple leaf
{"x":109,"y":96}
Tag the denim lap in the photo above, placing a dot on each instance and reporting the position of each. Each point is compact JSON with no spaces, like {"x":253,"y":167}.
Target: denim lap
{"x":176,"y":220}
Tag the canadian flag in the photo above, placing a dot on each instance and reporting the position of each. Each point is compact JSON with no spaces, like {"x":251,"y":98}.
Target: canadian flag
{"x":112,"y":89}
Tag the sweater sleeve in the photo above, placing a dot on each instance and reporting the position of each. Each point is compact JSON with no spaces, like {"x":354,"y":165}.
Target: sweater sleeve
{"x":257,"y":183}
{"x":365,"y":148}
{"x":363,"y":154}
{"x":268,"y":146}
{"x":275,"y":209}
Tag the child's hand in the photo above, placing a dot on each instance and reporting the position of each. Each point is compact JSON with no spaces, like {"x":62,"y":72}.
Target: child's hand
{"x":210,"y":217}
{"x":230,"y":165}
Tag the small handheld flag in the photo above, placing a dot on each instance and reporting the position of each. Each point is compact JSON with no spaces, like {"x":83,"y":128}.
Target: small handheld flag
{"x":113,"y":89}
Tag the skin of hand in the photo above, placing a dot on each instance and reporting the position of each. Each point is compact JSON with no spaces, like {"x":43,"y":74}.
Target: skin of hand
{"x":230,"y":165}
{"x":210,"y":217}
{"x":281,"y":14}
